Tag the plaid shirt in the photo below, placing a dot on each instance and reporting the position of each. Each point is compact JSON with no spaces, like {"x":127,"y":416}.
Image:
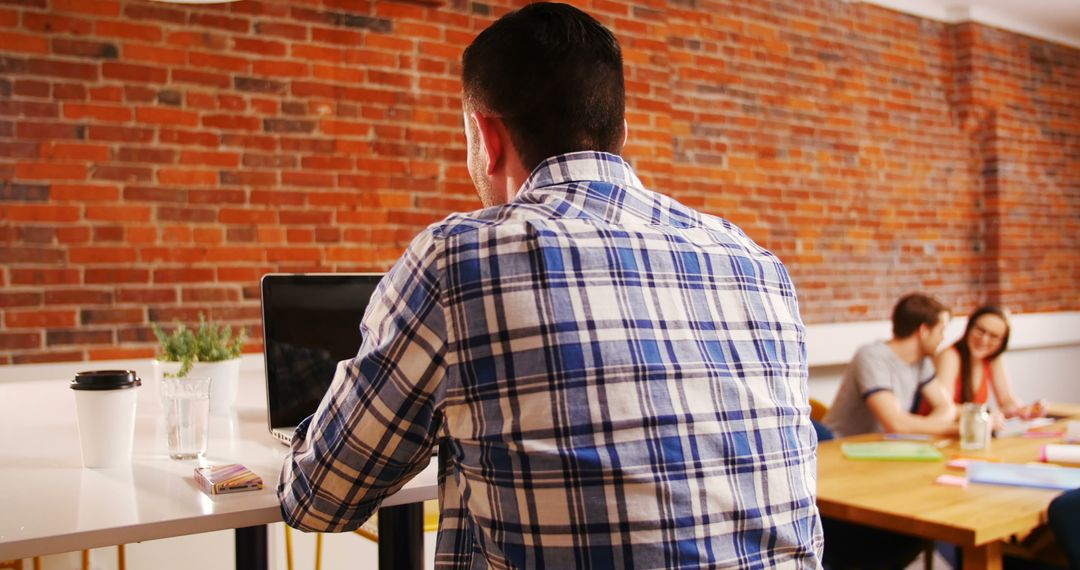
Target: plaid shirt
{"x":617,"y":381}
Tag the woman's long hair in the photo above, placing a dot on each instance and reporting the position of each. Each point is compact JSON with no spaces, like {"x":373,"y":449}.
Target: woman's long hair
{"x":967,"y":390}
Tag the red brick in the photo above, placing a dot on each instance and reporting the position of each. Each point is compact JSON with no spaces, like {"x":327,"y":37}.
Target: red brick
{"x":118,"y":213}
{"x":293,"y":254}
{"x":97,"y":112}
{"x":112,"y":29}
{"x":201,"y":78}
{"x":23,"y":43}
{"x":114,"y":275}
{"x":73,"y":234}
{"x":20,"y":299}
{"x":218,"y":196}
{"x":187,"y":177}
{"x":63,"y":69}
{"x":282,"y":30}
{"x":259,"y":47}
{"x":77,"y":337}
{"x":186,"y":275}
{"x":189,"y":137}
{"x":122,"y":173}
{"x":225,"y":63}
{"x":79,"y":48}
{"x":72,"y":151}
{"x":232,"y":122}
{"x":164,"y":56}
{"x":39,"y":319}
{"x":97,"y":255}
{"x":146,"y":296}
{"x":223,"y":159}
{"x":246,"y":216}
{"x":48,"y":131}
{"x":199,"y":101}
{"x":111,"y":316}
{"x":209,"y":295}
{"x":219,"y":21}
{"x":121,"y":134}
{"x":145,"y":154}
{"x":56,"y":24}
{"x":83,"y":193}
{"x":96,"y":8}
{"x":164,"y":116}
{"x":50,"y":171}
{"x":277,"y":68}
{"x":307,"y":179}
{"x":81,"y":296}
{"x":19,"y":340}
{"x":31,"y":88}
{"x":198,"y":39}
{"x":45,"y":276}
{"x":130,"y":72}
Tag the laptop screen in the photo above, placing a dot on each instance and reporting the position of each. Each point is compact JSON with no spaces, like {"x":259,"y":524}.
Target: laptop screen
{"x":310,"y":322}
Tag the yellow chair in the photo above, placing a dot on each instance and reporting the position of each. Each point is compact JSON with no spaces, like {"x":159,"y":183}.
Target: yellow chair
{"x":18,"y":564}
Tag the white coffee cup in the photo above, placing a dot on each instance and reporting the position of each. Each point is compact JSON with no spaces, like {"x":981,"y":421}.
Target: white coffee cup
{"x":105,"y":402}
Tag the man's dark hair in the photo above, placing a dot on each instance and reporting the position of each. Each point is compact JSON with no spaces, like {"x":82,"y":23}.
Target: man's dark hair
{"x":554,"y":75}
{"x":913,"y":311}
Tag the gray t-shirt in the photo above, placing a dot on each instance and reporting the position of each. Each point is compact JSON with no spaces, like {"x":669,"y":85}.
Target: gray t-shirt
{"x":875,"y":367}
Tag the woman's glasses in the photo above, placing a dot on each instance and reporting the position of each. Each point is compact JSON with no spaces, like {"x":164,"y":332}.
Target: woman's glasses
{"x":990,"y":335}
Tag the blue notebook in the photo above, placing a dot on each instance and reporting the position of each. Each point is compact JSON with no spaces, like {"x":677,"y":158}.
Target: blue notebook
{"x":1038,"y":476}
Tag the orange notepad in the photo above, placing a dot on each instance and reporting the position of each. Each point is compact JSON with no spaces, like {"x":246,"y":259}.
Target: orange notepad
{"x":231,"y":478}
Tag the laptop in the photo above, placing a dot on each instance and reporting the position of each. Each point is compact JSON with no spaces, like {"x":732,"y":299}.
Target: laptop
{"x":311,"y":322}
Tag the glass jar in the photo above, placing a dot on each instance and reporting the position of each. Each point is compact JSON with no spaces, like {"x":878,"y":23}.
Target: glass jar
{"x":974,"y":426}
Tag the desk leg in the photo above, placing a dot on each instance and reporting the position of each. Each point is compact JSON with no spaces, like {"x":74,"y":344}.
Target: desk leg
{"x":251,"y":548}
{"x":401,"y":537}
{"x":987,"y":556}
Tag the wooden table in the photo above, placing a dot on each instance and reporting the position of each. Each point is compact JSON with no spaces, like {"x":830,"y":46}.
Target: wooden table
{"x":902,"y":496}
{"x":51,"y":504}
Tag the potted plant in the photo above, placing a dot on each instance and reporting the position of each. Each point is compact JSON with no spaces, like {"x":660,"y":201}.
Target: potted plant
{"x":209,"y":351}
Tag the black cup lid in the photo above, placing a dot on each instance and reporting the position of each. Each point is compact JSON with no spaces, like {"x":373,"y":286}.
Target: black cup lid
{"x":105,"y":380}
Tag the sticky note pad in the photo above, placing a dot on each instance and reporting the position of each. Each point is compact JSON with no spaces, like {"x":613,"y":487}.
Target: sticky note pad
{"x":231,"y":478}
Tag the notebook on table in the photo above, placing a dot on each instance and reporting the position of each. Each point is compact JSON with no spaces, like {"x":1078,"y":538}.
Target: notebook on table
{"x":311,"y":322}
{"x":891,"y":451}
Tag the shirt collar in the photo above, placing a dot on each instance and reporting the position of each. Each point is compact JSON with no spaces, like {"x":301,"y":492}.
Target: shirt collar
{"x":584,"y":166}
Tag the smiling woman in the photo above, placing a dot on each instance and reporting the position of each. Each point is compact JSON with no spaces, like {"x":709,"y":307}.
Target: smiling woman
{"x":974,"y":364}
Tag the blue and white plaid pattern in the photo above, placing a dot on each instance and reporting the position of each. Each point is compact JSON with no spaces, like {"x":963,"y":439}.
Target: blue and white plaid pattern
{"x":617,"y":380}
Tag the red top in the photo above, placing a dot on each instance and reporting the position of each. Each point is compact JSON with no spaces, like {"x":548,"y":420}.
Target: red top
{"x":982,"y":394}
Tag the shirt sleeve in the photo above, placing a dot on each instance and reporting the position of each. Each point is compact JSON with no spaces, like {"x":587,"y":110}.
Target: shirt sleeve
{"x":871,"y":374}
{"x":378,"y":422}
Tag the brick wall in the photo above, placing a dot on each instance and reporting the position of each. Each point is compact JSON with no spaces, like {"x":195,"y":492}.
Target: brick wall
{"x":156,"y":159}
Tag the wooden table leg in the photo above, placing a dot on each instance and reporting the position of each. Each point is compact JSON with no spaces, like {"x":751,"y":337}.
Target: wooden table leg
{"x":987,"y":556}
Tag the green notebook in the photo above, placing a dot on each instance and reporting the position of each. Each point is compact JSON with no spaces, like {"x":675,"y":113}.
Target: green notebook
{"x":891,"y":451}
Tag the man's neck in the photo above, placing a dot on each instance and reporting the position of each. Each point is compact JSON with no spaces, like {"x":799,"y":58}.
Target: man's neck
{"x":907,"y":349}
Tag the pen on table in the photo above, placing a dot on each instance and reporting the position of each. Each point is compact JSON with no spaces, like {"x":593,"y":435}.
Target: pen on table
{"x":907,"y":436}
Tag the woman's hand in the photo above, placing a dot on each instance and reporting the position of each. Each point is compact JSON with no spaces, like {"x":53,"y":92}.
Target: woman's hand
{"x":1036,"y":409}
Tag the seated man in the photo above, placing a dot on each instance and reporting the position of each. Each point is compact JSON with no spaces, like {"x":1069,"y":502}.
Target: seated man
{"x":881,"y":391}
{"x":886,"y":380}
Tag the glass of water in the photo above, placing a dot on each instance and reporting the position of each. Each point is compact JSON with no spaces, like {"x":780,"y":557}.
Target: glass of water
{"x":975,"y":426}
{"x":187,"y":415}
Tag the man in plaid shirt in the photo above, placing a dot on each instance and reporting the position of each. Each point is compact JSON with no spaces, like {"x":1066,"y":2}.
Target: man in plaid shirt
{"x":616,"y":380}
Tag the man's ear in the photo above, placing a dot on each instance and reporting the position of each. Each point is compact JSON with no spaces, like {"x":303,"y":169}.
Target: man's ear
{"x":490,"y":139}
{"x":625,"y":132}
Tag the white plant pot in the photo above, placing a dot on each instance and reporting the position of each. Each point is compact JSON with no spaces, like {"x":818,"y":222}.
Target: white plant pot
{"x":224,"y":378}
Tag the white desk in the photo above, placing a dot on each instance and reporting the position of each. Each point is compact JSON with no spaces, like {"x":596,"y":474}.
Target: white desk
{"x":51,"y":504}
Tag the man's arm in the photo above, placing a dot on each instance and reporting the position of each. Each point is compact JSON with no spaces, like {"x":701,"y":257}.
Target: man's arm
{"x":378,"y":423}
{"x":942,"y":418}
